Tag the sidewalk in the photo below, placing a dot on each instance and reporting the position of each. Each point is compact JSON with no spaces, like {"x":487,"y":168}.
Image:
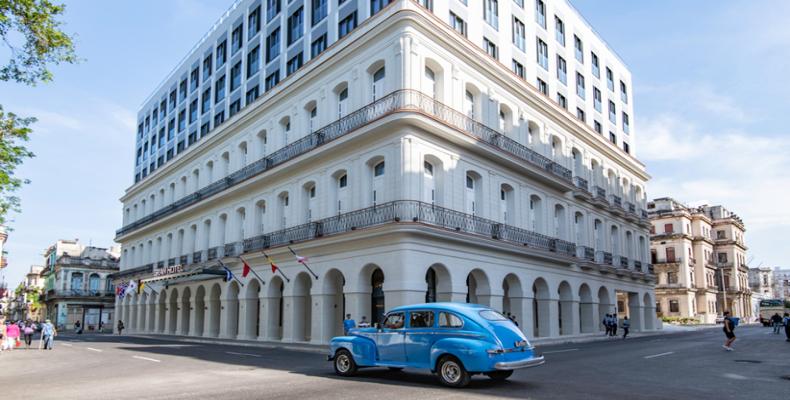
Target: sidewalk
{"x":667,"y":329}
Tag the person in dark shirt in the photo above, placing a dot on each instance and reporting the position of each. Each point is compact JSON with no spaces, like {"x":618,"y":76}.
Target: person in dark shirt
{"x":729,"y":331}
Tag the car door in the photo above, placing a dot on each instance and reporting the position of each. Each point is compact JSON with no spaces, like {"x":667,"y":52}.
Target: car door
{"x":390,"y":339}
{"x":420,"y":335}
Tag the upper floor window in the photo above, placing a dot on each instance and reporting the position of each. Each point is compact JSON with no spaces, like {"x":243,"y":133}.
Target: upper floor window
{"x":490,"y":48}
{"x":272,"y":9}
{"x":221,"y":53}
{"x":543,"y":87}
{"x":253,"y":61}
{"x":559,"y":30}
{"x":579,"y":46}
{"x":491,"y":12}
{"x":562,"y":101}
{"x":609,"y":79}
{"x":612,"y":112}
{"x":580,"y":87}
{"x":318,"y":46}
{"x":519,"y":34}
{"x":236,"y":39}
{"x":194,"y":78}
{"x":206,"y":69}
{"x":623,"y":92}
{"x":540,"y":13}
{"x":254,"y":22}
{"x":562,"y":70}
{"x":293,"y":64}
{"x":378,"y":83}
{"x":518,"y":69}
{"x":458,"y":24}
{"x":272,"y":79}
{"x":626,"y":124}
{"x":296,"y":25}
{"x":596,"y":99}
{"x":543,"y":54}
{"x":273,"y":45}
{"x":377,"y":5}
{"x":378,"y":170}
{"x":346,"y":25}
{"x":596,"y":69}
{"x":319,"y":11}
{"x":219,"y":90}
{"x":235,"y":76}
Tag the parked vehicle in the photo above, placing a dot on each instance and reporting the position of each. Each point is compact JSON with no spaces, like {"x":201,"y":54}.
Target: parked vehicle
{"x":770,"y":307}
{"x":453,"y":340}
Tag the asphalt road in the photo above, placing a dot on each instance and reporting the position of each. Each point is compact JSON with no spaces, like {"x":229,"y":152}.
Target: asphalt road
{"x":680,"y":366}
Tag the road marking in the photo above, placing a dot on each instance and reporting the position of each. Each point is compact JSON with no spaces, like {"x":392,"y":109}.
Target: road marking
{"x":559,"y":351}
{"x":146,"y":358}
{"x":92,"y":349}
{"x":242,"y":354}
{"x":660,"y":355}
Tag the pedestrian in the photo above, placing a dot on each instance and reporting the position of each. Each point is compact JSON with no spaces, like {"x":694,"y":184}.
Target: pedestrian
{"x":364,"y":323}
{"x":2,"y":334}
{"x":101,"y":326}
{"x":11,"y":336}
{"x":348,"y":324}
{"x":776,"y":322}
{"x":626,"y":326}
{"x":607,"y":325}
{"x":615,"y":321}
{"x":120,"y":327}
{"x":729,"y":331}
{"x":28,"y":330}
{"x":787,"y":326}
{"x":78,"y":328}
{"x":48,"y":333}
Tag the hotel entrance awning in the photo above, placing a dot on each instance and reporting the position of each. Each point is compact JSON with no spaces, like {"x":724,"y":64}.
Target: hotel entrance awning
{"x":200,"y":274}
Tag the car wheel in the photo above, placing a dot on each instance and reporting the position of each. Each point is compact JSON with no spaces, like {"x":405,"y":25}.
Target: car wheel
{"x":452,"y":373}
{"x":499,"y":375}
{"x":344,"y":363}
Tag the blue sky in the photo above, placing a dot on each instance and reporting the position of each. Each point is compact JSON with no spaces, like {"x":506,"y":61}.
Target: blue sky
{"x":710,"y":89}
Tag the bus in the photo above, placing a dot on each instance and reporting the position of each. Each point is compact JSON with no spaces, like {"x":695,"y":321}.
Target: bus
{"x":770,"y":307}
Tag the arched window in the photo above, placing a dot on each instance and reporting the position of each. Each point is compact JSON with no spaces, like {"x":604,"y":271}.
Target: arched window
{"x":598,"y":235}
{"x":536,"y":213}
{"x":76,"y":281}
{"x":430,"y":82}
{"x":559,"y":221}
{"x":469,"y":104}
{"x":241,"y":221}
{"x":313,"y":118}
{"x":260,"y":215}
{"x":342,"y":102}
{"x":339,"y":194}
{"x":578,"y":162}
{"x":283,"y":204}
{"x":209,"y":172}
{"x":378,"y":182}
{"x":225,"y":163}
{"x":262,"y":141}
{"x":506,"y":204}
{"x":578,"y":227}
{"x":242,"y":155}
{"x":94,"y":283}
{"x":310,"y":201}
{"x":378,"y":83}
{"x":473,"y":193}
{"x":285,"y":127}
{"x":378,"y":170}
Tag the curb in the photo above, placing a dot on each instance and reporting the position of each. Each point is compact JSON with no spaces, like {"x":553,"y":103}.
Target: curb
{"x":269,"y":345}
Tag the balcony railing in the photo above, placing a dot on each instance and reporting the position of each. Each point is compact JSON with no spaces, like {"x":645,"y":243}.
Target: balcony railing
{"x":171,"y":262}
{"x":624,"y":262}
{"x":603,"y":257}
{"x":644,"y":214}
{"x":52,"y":294}
{"x":581,"y":183}
{"x":212,"y":254}
{"x":630,"y":207}
{"x":600,"y":193}
{"x":183,"y":260}
{"x":616,"y":200}
{"x":585,"y":253}
{"x":638,"y":265}
{"x":197,"y":257}
{"x":398,"y":101}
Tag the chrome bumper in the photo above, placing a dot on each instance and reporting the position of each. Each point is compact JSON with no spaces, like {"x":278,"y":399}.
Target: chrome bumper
{"x":511,"y":365}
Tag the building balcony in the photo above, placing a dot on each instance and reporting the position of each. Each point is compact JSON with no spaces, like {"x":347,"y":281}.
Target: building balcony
{"x":603,"y":257}
{"x":197,"y":257}
{"x":585,"y":253}
{"x":582,"y":190}
{"x":665,"y":261}
{"x":395,"y":102}
{"x":78,"y":294}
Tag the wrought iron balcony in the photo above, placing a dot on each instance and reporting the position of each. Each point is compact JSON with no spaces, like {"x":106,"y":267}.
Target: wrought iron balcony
{"x":603,"y":257}
{"x":397,"y":101}
{"x":616,"y":200}
{"x":650,"y":269}
{"x":212,"y":254}
{"x":197,"y":257}
{"x":160,"y":264}
{"x":600,"y":193}
{"x":585,"y":253}
{"x":581,"y":183}
{"x":644,"y":214}
{"x":183,"y":260}
{"x":79,"y":293}
{"x":171,"y":262}
{"x":630,"y":207}
{"x":638,"y":265}
{"x":623,"y":262}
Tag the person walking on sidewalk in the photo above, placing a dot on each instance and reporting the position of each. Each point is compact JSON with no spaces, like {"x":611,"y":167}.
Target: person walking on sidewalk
{"x":626,"y":324}
{"x":120,"y":327}
{"x":11,"y":336}
{"x":348,"y":324}
{"x":615,"y":321}
{"x":28,"y":331}
{"x":776,"y":322}
{"x":48,"y":334}
{"x":729,"y":331}
{"x":787,"y":326}
{"x":606,"y":323}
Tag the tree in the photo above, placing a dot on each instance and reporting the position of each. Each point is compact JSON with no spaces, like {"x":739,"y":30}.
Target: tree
{"x":32,"y":33}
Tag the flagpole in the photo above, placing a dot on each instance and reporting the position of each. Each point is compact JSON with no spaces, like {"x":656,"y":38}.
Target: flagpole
{"x":253,"y":272}
{"x":302,"y":262}
{"x":232,"y":275}
{"x":277,"y":268}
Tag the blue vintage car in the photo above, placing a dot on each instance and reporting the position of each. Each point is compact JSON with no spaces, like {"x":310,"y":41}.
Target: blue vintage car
{"x":454,"y":340}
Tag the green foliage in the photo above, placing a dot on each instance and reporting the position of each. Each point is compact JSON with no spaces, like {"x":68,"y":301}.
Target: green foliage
{"x":31,"y":31}
{"x":680,"y":320}
{"x":42,"y":40}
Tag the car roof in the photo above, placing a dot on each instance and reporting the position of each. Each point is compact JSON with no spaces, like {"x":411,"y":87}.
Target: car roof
{"x":449,"y":306}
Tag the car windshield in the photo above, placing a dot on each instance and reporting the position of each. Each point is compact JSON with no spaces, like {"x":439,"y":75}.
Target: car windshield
{"x":492,"y":315}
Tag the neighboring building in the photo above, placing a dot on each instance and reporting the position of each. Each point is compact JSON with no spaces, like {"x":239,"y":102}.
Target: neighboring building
{"x":3,"y":239}
{"x":782,"y":283}
{"x":700,"y":259}
{"x":761,"y":281}
{"x":408,"y":163}
{"x":77,"y":285}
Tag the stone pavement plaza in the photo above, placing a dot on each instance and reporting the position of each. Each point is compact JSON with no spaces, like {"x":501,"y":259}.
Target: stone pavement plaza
{"x":676,"y":366}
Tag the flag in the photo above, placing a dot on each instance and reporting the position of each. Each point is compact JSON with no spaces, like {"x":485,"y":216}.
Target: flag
{"x":246,"y":270}
{"x":303,"y":261}
{"x":228,"y":274}
{"x":140,"y":287}
{"x":131,"y":287}
{"x":300,"y":259}
{"x":274,"y":266}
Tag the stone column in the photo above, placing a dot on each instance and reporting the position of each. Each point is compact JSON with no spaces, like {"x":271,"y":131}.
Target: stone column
{"x":358,"y":304}
{"x":223,"y":319}
{"x":590,"y":310}
{"x":319,"y":318}
{"x":193,"y":328}
{"x":521,"y":307}
{"x":548,"y":322}
{"x":572,"y":307}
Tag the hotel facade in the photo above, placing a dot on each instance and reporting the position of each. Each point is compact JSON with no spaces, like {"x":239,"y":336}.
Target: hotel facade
{"x":470,"y":151}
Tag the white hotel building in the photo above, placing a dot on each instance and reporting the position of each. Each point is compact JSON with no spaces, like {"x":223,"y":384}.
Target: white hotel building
{"x":413,"y":150}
